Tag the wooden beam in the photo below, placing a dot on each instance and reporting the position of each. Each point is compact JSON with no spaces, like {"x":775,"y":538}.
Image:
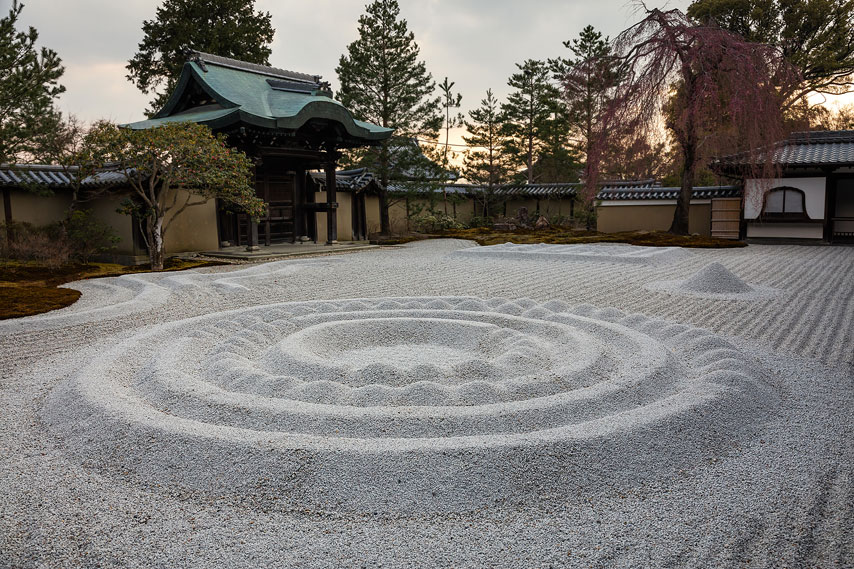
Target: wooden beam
{"x":332,"y":211}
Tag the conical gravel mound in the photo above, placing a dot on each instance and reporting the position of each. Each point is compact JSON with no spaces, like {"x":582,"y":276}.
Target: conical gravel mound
{"x":715,"y":278}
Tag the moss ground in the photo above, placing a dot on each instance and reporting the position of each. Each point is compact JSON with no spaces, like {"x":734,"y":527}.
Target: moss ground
{"x":488,"y":236}
{"x":28,"y":288}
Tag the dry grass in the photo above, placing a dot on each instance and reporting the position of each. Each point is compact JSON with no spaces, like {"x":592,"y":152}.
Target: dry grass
{"x":487,"y":236}
{"x":28,"y":288}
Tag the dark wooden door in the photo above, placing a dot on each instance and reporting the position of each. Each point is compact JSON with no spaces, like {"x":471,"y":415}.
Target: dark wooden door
{"x":278,"y":225}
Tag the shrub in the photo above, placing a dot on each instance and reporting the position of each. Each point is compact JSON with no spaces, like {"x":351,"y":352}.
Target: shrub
{"x":585,"y":215}
{"x":79,"y":237}
{"x":435,"y":221}
{"x":558,"y":220}
{"x":48,"y":245}
{"x":480,"y":221}
{"x":89,"y":236}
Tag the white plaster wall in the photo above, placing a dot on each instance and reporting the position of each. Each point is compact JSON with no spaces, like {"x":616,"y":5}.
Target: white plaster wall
{"x":785,"y":230}
{"x":814,"y":194}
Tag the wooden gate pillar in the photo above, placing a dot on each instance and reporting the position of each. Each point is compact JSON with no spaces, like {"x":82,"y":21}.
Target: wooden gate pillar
{"x":331,"y":205}
{"x":253,"y":236}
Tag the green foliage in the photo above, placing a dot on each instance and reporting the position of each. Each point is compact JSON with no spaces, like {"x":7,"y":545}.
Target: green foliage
{"x":28,"y":89}
{"x":533,"y":117}
{"x":432,"y":220}
{"x":588,"y":80}
{"x":383,"y":82}
{"x":450,"y":100}
{"x":48,"y":245}
{"x":89,"y":236}
{"x":230,"y":28}
{"x":485,"y":161}
{"x":479,"y":221}
{"x":813,"y":35}
{"x":584,"y":213}
{"x":841,"y":118}
{"x":171,"y":168}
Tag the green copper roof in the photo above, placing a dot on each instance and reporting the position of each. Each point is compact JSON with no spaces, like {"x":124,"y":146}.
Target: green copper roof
{"x":257,"y":96}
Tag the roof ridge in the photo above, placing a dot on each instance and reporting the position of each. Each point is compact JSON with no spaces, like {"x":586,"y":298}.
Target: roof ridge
{"x":35,"y":167}
{"x":203,"y":58}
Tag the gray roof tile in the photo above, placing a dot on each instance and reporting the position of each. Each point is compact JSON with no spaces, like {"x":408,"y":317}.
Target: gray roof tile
{"x":813,"y":148}
{"x":53,"y":177}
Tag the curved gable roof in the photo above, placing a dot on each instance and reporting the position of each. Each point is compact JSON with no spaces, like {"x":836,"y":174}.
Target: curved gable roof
{"x":264,"y":97}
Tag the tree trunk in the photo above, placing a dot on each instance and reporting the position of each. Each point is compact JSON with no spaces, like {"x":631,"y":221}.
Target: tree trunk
{"x":384,"y":160}
{"x":683,"y":201}
{"x":408,"y":214}
{"x":384,"y":220}
{"x":155,"y":240}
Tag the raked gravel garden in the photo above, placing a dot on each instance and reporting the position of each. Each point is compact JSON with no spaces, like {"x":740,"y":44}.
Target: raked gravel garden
{"x":440,"y":404}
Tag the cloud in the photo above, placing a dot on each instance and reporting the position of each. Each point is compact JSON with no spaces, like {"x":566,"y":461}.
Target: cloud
{"x":473,"y":42}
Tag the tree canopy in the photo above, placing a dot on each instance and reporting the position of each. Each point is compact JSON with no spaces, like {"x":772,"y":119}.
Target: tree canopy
{"x":713,"y":90}
{"x":587,"y":79}
{"x":170,"y":168}
{"x":230,"y":28}
{"x":450,"y":100}
{"x":485,"y":161}
{"x":813,"y":35}
{"x":383,"y":81}
{"x":29,"y":86}
{"x":531,"y":115}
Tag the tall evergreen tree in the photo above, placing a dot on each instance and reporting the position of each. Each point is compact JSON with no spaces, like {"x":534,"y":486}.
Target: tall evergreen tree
{"x":230,"y":28}
{"x":486,"y":161}
{"x":587,"y":79}
{"x":450,"y":100}
{"x":529,"y":114}
{"x":383,"y":81}
{"x":28,"y":89}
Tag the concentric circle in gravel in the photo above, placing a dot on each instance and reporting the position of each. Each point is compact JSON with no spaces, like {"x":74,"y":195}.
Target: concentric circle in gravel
{"x":408,"y":403}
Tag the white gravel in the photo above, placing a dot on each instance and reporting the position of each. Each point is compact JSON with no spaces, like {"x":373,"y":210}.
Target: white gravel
{"x":716,"y":282}
{"x":601,"y":252}
{"x":433,"y":405}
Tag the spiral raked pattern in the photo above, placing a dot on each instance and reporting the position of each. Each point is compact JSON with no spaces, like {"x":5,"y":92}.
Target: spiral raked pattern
{"x":327,"y":401}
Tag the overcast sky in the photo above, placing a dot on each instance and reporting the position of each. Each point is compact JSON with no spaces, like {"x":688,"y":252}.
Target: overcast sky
{"x":473,"y":42}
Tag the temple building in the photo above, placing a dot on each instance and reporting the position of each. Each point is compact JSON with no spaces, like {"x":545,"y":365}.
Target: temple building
{"x":286,"y":122}
{"x":812,"y":199}
{"x":289,"y":124}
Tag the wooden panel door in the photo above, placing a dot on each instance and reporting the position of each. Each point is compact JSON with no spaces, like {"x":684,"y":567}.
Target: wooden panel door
{"x":278,"y":225}
{"x":726,"y":218}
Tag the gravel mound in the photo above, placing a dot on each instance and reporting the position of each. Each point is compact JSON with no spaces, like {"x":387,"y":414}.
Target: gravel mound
{"x":332,"y":404}
{"x":714,"y":281}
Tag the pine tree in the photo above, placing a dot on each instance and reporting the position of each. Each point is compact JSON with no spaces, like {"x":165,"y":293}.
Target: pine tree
{"x":530,"y":111}
{"x":588,"y":80}
{"x":28,"y":90}
{"x":450,"y":100}
{"x":383,"y":82}
{"x":230,"y":28}
{"x":486,"y":162}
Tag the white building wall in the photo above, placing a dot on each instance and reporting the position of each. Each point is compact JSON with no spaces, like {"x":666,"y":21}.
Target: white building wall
{"x":814,"y":194}
{"x":778,"y":230}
